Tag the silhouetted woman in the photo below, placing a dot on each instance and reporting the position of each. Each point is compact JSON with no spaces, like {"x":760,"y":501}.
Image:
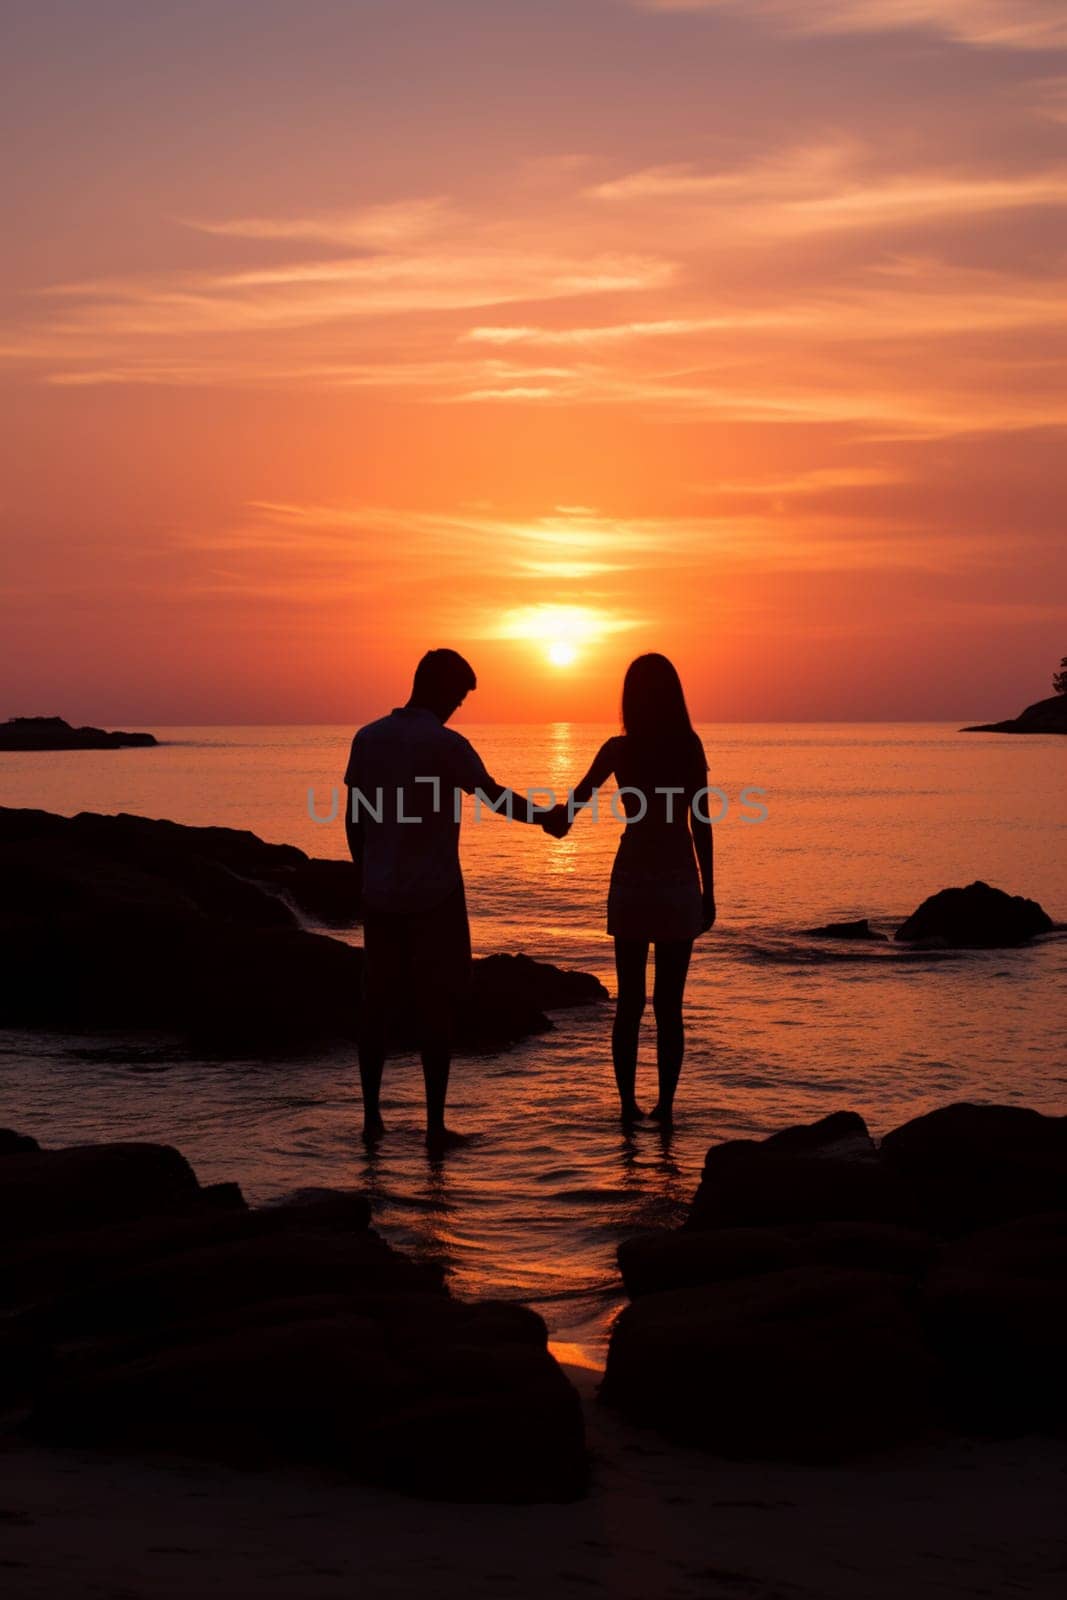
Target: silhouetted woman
{"x":662,"y":884}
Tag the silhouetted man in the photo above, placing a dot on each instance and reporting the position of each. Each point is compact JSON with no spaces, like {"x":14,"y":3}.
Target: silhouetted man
{"x":406,"y":777}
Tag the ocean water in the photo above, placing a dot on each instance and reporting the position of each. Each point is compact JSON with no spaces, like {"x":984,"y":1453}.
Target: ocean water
{"x":861,"y":820}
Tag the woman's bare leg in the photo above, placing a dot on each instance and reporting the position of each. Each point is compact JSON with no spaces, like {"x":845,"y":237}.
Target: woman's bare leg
{"x":631,"y":959}
{"x":672,"y":966}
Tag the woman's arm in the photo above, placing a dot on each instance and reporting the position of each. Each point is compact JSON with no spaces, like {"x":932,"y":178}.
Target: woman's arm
{"x":703,"y":841}
{"x":561,"y":816}
{"x":600,"y":771}
{"x":705,"y":849}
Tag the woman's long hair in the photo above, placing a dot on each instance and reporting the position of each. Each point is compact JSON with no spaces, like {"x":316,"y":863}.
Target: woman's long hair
{"x":655,"y":716}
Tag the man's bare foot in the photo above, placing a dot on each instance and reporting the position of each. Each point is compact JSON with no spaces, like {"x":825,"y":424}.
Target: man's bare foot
{"x":373,"y":1127}
{"x":631,"y":1113}
{"x":663,"y":1114}
{"x":442,"y":1138}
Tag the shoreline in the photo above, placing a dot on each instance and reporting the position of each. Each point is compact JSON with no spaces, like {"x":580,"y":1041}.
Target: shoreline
{"x":948,"y":1519}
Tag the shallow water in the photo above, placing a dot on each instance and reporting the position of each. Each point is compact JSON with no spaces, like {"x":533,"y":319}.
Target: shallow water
{"x":863,"y":820}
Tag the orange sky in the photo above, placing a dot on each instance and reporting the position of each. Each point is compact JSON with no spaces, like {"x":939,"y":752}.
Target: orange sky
{"x":332,"y":331}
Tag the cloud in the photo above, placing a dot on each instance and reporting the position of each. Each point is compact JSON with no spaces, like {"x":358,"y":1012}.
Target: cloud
{"x":575,"y":624}
{"x":909,"y":298}
{"x":710,"y":326}
{"x":307,"y":293}
{"x":377,"y":227}
{"x":541,"y":552}
{"x":828,"y":189}
{"x":1008,"y":24}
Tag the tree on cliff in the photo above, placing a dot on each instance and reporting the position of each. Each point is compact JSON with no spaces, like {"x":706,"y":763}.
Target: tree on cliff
{"x":1059,"y":679}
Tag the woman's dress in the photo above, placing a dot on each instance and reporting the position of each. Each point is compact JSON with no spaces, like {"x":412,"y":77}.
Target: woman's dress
{"x":655,"y":884}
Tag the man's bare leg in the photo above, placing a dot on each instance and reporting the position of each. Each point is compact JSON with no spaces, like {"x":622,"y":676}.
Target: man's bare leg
{"x":436,"y":1065}
{"x":371,"y":1066}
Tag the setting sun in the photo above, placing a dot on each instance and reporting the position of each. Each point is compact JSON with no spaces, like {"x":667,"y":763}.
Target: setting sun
{"x":561,"y":634}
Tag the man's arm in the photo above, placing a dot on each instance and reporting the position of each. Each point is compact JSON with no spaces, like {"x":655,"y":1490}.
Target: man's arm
{"x":509,"y":803}
{"x":523,"y":812}
{"x":473,"y":778}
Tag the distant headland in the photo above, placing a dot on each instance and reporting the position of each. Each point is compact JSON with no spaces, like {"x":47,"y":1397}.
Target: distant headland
{"x":1044,"y":716}
{"x":52,"y":733}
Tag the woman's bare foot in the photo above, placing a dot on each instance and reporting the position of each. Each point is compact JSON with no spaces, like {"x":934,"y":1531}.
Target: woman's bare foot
{"x":662,"y":1114}
{"x":631,"y":1113}
{"x":439,"y":1139}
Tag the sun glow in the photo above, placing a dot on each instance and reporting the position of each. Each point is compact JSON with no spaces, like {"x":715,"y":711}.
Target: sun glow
{"x":562,"y":653}
{"x":562,"y":634}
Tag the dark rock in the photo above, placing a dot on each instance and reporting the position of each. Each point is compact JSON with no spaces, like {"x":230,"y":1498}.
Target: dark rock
{"x":145,"y":1312}
{"x":866,"y":1246}
{"x":972,"y":1165}
{"x":127,"y":923}
{"x":509,"y":1425}
{"x":840,"y":1135}
{"x":794,"y":1255}
{"x":539,"y":983}
{"x":860,"y":929}
{"x":219,"y":871}
{"x":675,"y":1259}
{"x":466,"y":1416}
{"x":341,"y":1209}
{"x":810,"y":1363}
{"x":995,"y":1311}
{"x":510,"y":994}
{"x":187,"y":1291}
{"x":975,"y":918}
{"x":52,"y":733}
{"x":50,"y":1191}
{"x":222,"y":1197}
{"x":75,"y":1270}
{"x":11,"y":1143}
{"x":1044,"y":716}
{"x":826,"y":1172}
{"x":683,"y":1258}
{"x":315,"y":1347}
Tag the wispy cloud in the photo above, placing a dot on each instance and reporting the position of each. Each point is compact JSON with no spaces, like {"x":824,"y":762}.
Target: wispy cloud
{"x":833,"y":188}
{"x":908,"y":298}
{"x":543,"y":552}
{"x":397,"y":222}
{"x":308,"y":293}
{"x":1009,"y":24}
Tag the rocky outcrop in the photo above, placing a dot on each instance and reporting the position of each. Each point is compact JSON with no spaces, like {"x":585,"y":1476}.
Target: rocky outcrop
{"x":828,"y":1171}
{"x":860,"y":929}
{"x":808,"y":1363}
{"x":52,"y":733}
{"x":133,"y":924}
{"x":511,"y":993}
{"x":828,"y":1296}
{"x":977,"y":917}
{"x":49,"y":1191}
{"x":995,"y":1310}
{"x":1044,"y":716}
{"x":224,"y":872}
{"x":969,"y":1166}
{"x":141,"y":1311}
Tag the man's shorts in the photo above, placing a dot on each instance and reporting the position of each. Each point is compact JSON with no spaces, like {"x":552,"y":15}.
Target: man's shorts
{"x":417,"y":967}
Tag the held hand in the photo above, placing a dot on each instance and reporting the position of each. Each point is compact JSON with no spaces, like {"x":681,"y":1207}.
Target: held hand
{"x":556,"y":822}
{"x":709,"y":911}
